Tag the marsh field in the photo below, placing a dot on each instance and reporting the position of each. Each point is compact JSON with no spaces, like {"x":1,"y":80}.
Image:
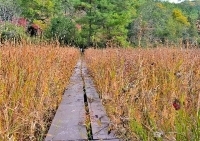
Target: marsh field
{"x":32,"y":81}
{"x":149,"y":94}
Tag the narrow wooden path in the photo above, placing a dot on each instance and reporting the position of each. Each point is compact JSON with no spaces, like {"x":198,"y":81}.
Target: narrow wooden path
{"x":80,"y":115}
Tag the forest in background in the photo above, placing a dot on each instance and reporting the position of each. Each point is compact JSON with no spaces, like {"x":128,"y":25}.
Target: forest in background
{"x":83,"y":23}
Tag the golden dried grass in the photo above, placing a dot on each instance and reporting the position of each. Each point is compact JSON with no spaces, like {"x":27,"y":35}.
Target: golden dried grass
{"x":32,"y":81}
{"x":139,"y":86}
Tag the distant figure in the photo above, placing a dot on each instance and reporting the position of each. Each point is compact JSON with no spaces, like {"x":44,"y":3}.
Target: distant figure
{"x":82,"y":50}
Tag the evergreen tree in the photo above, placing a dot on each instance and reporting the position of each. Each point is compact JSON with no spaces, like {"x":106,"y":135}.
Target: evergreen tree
{"x":106,"y":20}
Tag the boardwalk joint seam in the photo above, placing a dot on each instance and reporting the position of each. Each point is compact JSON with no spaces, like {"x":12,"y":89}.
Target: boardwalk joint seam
{"x":87,"y":112}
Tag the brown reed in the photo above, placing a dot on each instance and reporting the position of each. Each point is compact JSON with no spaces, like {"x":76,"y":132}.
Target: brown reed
{"x":139,"y":88}
{"x":32,"y":81}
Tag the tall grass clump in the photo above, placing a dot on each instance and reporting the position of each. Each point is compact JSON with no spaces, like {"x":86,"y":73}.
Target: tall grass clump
{"x":32,"y":81}
{"x":149,"y":94}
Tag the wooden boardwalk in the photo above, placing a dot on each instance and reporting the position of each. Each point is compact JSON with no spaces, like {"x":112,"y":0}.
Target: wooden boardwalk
{"x":69,"y":121}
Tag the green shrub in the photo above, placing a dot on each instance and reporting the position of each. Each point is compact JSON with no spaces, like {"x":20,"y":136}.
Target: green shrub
{"x":62,"y":29}
{"x":12,"y":33}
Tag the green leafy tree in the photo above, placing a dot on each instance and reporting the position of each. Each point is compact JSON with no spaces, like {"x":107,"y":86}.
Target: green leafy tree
{"x":150,"y":25}
{"x":179,"y":17}
{"x":106,"y":20}
{"x":39,"y":9}
{"x":68,"y":8}
{"x":191,"y":10}
{"x":62,"y":29}
{"x":159,"y":22}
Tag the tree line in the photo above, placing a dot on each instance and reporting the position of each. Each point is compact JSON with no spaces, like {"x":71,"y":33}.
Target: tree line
{"x":99,"y":23}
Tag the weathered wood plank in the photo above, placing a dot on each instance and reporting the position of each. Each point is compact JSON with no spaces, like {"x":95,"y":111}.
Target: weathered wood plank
{"x":99,"y":120}
{"x":68,"y":123}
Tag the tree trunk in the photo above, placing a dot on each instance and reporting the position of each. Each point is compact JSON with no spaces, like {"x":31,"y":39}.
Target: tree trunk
{"x":139,"y":38}
{"x":90,"y":25}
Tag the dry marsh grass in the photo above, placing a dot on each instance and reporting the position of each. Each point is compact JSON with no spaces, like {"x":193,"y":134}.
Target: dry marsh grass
{"x":149,"y":94}
{"x":32,"y":81}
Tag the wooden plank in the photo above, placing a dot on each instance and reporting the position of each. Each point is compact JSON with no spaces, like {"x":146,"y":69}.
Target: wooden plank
{"x":99,"y":120}
{"x":68,"y":123}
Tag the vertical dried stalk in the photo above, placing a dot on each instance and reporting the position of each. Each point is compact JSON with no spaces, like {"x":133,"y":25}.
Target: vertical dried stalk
{"x":198,"y":106}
